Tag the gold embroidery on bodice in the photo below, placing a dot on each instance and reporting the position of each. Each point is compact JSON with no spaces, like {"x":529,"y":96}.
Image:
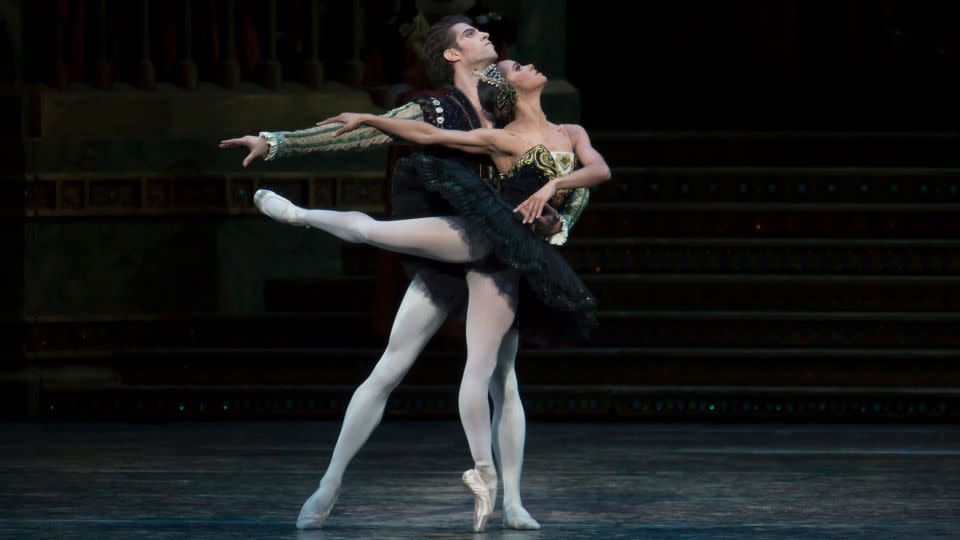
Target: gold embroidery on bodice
{"x":551,"y":164}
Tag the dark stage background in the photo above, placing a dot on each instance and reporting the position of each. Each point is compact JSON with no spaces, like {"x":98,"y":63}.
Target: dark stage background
{"x":779,"y":239}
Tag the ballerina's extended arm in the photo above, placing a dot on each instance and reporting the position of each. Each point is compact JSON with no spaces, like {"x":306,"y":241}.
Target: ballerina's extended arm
{"x":484,"y":141}
{"x":477,"y":141}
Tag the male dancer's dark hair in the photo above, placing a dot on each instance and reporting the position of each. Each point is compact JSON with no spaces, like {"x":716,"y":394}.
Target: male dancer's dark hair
{"x":439,"y":39}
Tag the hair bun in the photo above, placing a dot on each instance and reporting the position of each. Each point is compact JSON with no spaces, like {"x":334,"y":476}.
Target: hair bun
{"x":506,"y":92}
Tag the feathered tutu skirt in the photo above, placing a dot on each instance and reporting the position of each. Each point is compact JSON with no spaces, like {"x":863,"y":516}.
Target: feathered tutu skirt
{"x":552,"y":282}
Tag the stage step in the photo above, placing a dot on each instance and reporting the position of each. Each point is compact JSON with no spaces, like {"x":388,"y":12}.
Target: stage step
{"x":691,"y":291}
{"x":778,"y":149}
{"x":768,"y":220}
{"x":78,"y":341}
{"x":678,"y":363}
{"x":705,"y":402}
{"x":726,"y":255}
{"x":780,"y":184}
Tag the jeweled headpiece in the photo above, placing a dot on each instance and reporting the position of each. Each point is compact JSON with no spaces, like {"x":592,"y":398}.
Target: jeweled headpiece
{"x":507,"y":93}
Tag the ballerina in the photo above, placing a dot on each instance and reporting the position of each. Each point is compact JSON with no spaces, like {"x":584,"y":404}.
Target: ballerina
{"x":532,"y":176}
{"x":452,"y":51}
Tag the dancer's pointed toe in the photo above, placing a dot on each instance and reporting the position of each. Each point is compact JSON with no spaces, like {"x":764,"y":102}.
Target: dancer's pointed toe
{"x":483,"y":502}
{"x":278,"y":208}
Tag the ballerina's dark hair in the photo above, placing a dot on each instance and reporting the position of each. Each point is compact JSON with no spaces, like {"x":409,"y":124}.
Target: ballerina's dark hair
{"x":497,"y":96}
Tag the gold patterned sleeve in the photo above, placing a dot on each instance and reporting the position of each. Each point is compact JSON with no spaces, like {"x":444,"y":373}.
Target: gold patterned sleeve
{"x":321,"y":139}
{"x":570,"y":212}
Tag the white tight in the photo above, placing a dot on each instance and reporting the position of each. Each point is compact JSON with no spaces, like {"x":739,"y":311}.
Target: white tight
{"x":417,"y":320}
{"x":509,"y":421}
{"x":490,"y":341}
{"x":492,"y":362}
{"x":490,"y":313}
{"x":440,"y":238}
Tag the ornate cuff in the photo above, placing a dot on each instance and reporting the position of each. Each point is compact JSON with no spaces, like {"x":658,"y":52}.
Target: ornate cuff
{"x":275,"y":140}
{"x":560,"y":238}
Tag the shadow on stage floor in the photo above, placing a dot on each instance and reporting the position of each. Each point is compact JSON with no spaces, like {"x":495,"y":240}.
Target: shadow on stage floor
{"x":581,"y":480}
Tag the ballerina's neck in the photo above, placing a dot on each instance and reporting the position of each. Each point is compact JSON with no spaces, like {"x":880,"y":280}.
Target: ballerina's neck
{"x":529,"y":113}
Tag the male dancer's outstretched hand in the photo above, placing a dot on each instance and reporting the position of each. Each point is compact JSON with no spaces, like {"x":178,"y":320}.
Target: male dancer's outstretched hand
{"x":258,"y":147}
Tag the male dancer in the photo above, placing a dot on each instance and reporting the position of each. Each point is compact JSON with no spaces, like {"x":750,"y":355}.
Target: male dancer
{"x":453,"y":50}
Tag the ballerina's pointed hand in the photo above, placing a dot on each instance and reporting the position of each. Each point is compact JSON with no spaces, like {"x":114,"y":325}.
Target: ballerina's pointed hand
{"x":257,"y":146}
{"x":533,"y":207}
{"x":350,"y":121}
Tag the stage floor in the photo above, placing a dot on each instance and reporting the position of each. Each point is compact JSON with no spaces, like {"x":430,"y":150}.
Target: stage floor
{"x":581,"y":480}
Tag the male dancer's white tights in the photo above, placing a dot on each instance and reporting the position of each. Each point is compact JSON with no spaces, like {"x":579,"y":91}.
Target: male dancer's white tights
{"x":491,"y":349}
{"x":417,"y":320}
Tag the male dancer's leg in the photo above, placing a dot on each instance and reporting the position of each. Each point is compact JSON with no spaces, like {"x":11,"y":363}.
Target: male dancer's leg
{"x":417,"y":320}
{"x":509,"y":433}
{"x":490,"y":313}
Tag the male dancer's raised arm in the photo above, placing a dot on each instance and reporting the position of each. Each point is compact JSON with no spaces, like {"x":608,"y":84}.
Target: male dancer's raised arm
{"x":271,"y":145}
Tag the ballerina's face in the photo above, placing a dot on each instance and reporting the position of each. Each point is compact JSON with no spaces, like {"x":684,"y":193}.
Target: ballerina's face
{"x":523,"y":78}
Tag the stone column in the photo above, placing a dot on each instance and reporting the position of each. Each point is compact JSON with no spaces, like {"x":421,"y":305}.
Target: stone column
{"x":354,"y":72}
{"x":272,"y":70}
{"x":103,"y":76}
{"x":312,"y":66}
{"x":146,"y":73}
{"x":187,"y":69}
{"x":230,"y":70}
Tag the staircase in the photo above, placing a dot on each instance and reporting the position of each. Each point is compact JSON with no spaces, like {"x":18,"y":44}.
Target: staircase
{"x":785,"y":276}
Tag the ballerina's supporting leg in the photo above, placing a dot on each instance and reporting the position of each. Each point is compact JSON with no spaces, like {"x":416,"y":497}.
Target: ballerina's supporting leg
{"x":417,"y":320}
{"x":490,"y":313}
{"x":441,"y":238}
{"x":509,"y":433}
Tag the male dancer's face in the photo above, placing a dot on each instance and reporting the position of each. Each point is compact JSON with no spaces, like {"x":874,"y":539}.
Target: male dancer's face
{"x":475,"y":47}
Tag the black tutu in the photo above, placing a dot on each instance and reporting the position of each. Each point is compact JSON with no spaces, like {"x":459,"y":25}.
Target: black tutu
{"x":443,"y":282}
{"x":547,"y":273}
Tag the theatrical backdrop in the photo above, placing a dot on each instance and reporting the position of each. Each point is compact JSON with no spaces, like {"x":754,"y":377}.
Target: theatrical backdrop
{"x":779,"y":239}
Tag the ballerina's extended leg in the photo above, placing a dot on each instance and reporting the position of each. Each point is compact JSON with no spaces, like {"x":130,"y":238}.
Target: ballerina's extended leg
{"x":441,"y":238}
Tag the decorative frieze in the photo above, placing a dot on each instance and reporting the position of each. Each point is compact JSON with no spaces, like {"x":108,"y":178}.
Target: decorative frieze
{"x":111,"y":194}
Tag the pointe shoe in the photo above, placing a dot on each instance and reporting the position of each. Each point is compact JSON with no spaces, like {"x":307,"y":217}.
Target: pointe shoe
{"x":311,"y":520}
{"x":482,"y":500}
{"x":278,"y":208}
{"x":488,"y":473}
